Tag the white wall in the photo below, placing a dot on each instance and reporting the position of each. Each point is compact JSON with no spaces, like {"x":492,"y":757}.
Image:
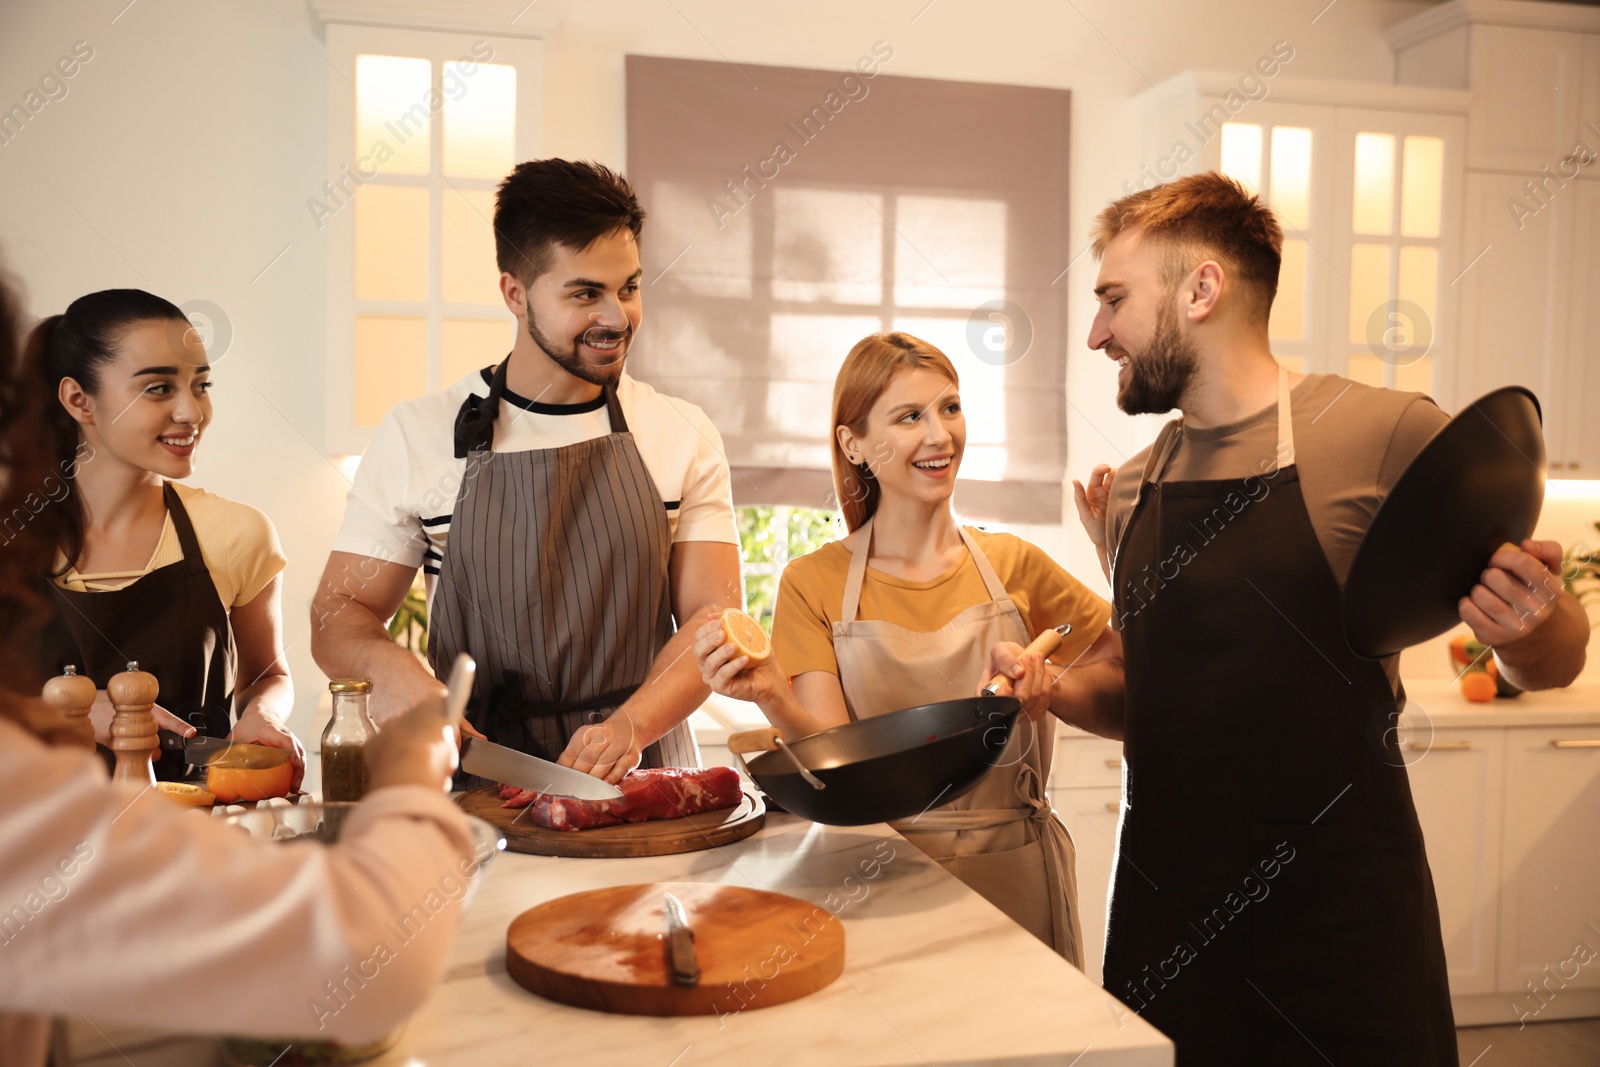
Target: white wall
{"x":180,"y":161}
{"x":182,"y":156}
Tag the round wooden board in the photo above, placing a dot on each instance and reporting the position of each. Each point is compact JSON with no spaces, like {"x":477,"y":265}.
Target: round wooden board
{"x":659,"y":837}
{"x":605,"y":949}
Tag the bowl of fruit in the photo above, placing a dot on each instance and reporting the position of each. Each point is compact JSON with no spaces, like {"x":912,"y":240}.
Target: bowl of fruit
{"x":1477,"y":672}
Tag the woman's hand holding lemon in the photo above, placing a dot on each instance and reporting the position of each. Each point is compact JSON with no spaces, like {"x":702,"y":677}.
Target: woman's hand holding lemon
{"x":735,"y":658}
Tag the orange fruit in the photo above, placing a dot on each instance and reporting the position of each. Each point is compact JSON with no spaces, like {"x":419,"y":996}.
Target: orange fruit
{"x":1458,"y":649}
{"x":187,"y":794}
{"x":233,"y":785}
{"x":745,"y":634}
{"x":1478,"y":687}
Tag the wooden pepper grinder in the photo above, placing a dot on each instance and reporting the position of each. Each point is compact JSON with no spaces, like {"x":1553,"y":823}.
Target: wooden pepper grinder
{"x":133,"y":728}
{"x":72,"y":695}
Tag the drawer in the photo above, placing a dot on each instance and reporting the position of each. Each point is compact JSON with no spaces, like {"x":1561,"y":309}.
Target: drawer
{"x":1083,"y":762}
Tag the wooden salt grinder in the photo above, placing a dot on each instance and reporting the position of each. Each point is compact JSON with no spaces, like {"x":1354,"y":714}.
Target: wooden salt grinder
{"x":72,"y":695}
{"x":133,"y":728}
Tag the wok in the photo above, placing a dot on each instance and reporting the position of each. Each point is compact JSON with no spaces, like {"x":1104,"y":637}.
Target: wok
{"x":1478,"y":483}
{"x":886,"y":767}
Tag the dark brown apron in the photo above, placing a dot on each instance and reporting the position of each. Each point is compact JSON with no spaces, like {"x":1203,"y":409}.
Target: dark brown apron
{"x":554,"y":578}
{"x":1271,"y":900}
{"x":171,"y":621}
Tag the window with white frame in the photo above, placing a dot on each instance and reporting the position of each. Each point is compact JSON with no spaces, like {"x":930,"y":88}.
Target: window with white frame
{"x":1363,"y":201}
{"x":423,"y":126}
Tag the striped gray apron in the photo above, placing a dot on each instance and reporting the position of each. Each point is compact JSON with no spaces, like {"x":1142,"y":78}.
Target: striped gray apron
{"x":554,"y":579}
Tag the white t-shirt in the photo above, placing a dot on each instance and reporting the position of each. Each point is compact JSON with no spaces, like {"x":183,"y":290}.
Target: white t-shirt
{"x":405,"y":490}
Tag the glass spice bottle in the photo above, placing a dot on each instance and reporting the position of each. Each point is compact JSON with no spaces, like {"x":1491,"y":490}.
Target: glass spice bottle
{"x":344,"y":741}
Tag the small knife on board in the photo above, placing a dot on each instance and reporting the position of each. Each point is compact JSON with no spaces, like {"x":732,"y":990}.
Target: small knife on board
{"x":681,"y":959}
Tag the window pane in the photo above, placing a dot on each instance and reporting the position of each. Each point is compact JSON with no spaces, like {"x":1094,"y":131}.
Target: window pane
{"x":950,"y":251}
{"x":1366,"y":369}
{"x":392,"y":108}
{"x":1419,"y":283}
{"x":1421,"y":186}
{"x":391,"y":243}
{"x":793,"y":410}
{"x":466,"y":345}
{"x":1374,"y":194}
{"x":827,"y":246}
{"x":1289,"y":306}
{"x":1415,"y":377}
{"x":468,"y":274}
{"x":983,"y":395}
{"x":719,"y":263}
{"x":1291,"y":175}
{"x":480,"y":119}
{"x":1241,"y":153}
{"x":1369,"y":290}
{"x":391,"y":364}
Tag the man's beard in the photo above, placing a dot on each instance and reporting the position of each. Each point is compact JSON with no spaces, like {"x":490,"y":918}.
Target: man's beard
{"x":1160,"y":375}
{"x":601,"y":374}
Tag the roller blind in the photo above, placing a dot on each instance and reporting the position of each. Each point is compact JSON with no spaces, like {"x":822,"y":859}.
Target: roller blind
{"x":792,"y":212}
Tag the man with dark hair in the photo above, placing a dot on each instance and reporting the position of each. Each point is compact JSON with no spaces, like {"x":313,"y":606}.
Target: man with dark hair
{"x":1271,"y":901}
{"x":565,"y":515}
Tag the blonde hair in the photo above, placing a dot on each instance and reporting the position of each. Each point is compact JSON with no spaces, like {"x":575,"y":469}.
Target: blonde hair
{"x":872,"y":364}
{"x":1204,"y":216}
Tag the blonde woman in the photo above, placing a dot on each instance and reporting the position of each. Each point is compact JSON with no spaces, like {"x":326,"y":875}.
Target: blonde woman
{"x":905,"y":610}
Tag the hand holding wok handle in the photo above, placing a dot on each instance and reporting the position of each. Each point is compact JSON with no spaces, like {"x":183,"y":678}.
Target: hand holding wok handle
{"x":1043,"y":645}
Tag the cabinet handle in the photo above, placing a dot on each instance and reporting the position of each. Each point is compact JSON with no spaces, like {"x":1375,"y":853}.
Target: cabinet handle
{"x":1440,"y":746}
{"x":1575,"y":744}
{"x":1115,"y":764}
{"x":1113,"y":805}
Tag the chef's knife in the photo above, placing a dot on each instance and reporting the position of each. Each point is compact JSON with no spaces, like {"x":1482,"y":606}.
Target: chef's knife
{"x":202,"y":751}
{"x":1046,"y":643}
{"x":500,"y":764}
{"x":680,"y":943}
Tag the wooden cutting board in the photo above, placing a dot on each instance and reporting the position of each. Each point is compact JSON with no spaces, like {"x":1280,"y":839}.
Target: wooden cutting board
{"x":605,"y":949}
{"x":659,"y":837}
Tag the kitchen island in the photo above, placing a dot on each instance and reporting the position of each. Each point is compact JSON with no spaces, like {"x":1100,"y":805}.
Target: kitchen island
{"x":934,"y":974}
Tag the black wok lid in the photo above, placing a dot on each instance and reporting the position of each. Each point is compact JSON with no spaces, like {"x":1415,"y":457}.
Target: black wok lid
{"x":1477,"y":484}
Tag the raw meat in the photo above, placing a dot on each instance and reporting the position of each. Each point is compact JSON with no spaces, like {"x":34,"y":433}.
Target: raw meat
{"x":658,"y":793}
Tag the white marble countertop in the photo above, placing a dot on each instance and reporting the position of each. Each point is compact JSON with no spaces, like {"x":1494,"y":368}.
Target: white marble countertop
{"x":1439,"y":700}
{"x":934,"y":974}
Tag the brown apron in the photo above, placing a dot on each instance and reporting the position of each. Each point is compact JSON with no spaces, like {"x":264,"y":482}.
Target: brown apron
{"x":1001,"y":839}
{"x":555,"y":580}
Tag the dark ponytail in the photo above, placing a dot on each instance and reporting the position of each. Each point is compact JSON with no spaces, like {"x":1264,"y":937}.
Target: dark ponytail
{"x":28,"y":531}
{"x":77,"y":345}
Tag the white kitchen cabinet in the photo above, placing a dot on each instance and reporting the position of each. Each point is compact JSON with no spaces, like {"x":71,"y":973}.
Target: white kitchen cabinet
{"x":1527,"y":84}
{"x":1527,"y":312}
{"x":1458,"y":784}
{"x":1552,"y":867}
{"x":1509,"y":307}
{"x":1579,"y":421}
{"x":1086,"y":792}
{"x":1531,"y":68}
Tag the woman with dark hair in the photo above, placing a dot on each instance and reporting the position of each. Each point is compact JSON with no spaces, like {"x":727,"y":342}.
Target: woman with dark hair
{"x":905,"y":611}
{"x":183,"y":581}
{"x":120,"y":906}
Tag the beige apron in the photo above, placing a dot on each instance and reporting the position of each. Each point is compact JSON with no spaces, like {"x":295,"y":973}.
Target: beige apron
{"x":1001,"y":838}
